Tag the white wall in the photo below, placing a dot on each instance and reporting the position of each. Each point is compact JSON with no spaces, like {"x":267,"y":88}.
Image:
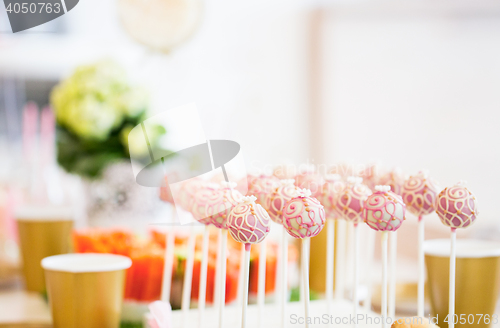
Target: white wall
{"x":246,"y":68}
{"x":417,"y":87}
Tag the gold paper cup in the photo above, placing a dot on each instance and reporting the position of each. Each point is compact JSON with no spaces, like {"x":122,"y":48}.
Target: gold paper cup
{"x":477,"y":280}
{"x":86,"y":290}
{"x":43,"y":231}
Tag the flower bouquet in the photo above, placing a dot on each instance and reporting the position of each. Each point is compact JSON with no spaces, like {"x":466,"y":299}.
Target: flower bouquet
{"x":96,"y":107}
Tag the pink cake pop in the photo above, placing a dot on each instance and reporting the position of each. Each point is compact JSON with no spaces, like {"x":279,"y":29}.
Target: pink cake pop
{"x":457,"y":206}
{"x":248,"y":222}
{"x":303,"y":216}
{"x":395,"y":179}
{"x":351,"y":200}
{"x":384,"y":210}
{"x":332,"y":188}
{"x":275,"y":201}
{"x":419,"y":193}
{"x":220,"y":211}
{"x":206,"y":200}
{"x":311,"y":180}
{"x":371,"y":176}
{"x":261,"y":185}
{"x":187,"y":191}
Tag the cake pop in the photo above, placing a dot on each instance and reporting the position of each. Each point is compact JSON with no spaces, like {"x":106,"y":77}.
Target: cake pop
{"x":331,"y":189}
{"x":457,"y":206}
{"x":248,"y":222}
{"x":187,"y":191}
{"x":384,"y":210}
{"x":395,"y":179}
{"x":350,"y":201}
{"x":276,"y":200}
{"x":260,"y":186}
{"x":419,"y":193}
{"x":219,"y":211}
{"x":303,"y":216}
{"x":311,"y":180}
{"x":350,"y":205}
{"x":371,"y":176}
{"x":206,"y":200}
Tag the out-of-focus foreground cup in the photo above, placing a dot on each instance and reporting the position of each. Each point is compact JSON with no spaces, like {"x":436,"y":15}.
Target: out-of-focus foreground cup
{"x":477,"y":281}
{"x":43,"y":231}
{"x":86,"y":290}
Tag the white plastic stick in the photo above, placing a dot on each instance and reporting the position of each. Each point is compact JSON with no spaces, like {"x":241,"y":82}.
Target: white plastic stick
{"x":340,"y":255}
{"x":279,"y":273}
{"x":284,"y":272}
{"x":355,"y":248}
{"x":393,"y":242}
{"x":383,"y":312}
{"x":222,"y":275}
{"x":188,"y":277}
{"x":330,"y":251}
{"x":167,"y":268}
{"x":421,"y":267}
{"x":349,"y":265}
{"x":305,"y":277}
{"x":202,"y":295}
{"x":301,"y":279}
{"x":370,"y":254}
{"x":246,"y":272}
{"x":451,"y":297}
{"x":218,"y":261}
{"x":241,"y":276}
{"x":261,"y":288}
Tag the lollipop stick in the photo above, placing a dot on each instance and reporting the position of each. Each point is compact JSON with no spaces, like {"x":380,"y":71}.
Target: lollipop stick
{"x":330,"y":251}
{"x":301,"y":280}
{"x":350,"y":256}
{"x":369,"y":265}
{"x":421,"y":267}
{"x":340,"y":270}
{"x":218,"y":276}
{"x":261,"y":288}
{"x":203,"y":279}
{"x":392,"y":276}
{"x":241,"y":276}
{"x":167,"y":268}
{"x":222,"y":275}
{"x":305,"y":277}
{"x":284,"y":269}
{"x":278,"y":273}
{"x":384,"y":280}
{"x":188,"y":277}
{"x":246,"y":272}
{"x":355,"y":249}
{"x":451,"y":297}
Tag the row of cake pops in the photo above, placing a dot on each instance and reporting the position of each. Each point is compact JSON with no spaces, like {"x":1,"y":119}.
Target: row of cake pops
{"x":303,"y":216}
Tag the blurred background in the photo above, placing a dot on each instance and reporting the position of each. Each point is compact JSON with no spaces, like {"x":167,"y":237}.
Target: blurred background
{"x":409,"y":84}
